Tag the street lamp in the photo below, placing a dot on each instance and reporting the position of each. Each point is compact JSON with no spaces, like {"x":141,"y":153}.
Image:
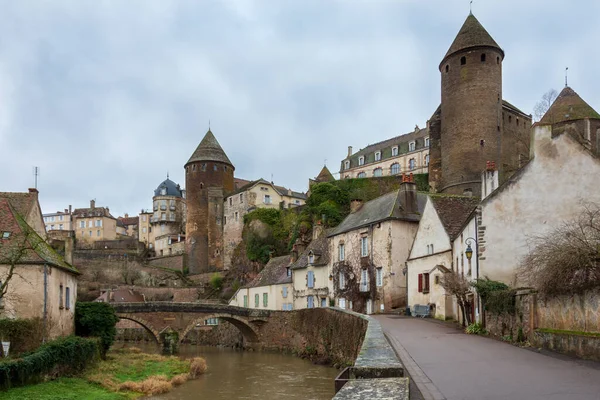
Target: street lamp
{"x":469,"y":251}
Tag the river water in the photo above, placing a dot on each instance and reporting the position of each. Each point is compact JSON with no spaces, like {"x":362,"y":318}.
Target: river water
{"x":235,"y":374}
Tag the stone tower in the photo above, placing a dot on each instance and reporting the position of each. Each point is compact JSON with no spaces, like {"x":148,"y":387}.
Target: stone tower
{"x":471,"y":109}
{"x":208,"y":177}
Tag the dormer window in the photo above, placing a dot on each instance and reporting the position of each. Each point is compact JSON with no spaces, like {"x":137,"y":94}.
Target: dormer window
{"x":361,"y":160}
{"x":288,"y":271}
{"x":311,"y":258}
{"x":347,"y":164}
{"x":163,"y":191}
{"x":377,"y":156}
{"x":5,"y":235}
{"x":394,"y":151}
{"x":412,"y":146}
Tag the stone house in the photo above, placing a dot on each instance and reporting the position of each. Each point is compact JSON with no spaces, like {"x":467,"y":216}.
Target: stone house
{"x":310,"y":272}
{"x":270,"y":290}
{"x":28,"y":207}
{"x":431,"y":253}
{"x":169,"y":212}
{"x":401,"y":154}
{"x":256,"y":194}
{"x":369,"y":249}
{"x":130,"y":225}
{"x":58,"y":221}
{"x":144,"y":227}
{"x":93,"y":224}
{"x":43,"y":285}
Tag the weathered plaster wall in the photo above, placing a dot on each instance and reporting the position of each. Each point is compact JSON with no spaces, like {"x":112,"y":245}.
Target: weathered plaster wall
{"x":275,"y":297}
{"x":436,"y":294}
{"x":319,"y":291}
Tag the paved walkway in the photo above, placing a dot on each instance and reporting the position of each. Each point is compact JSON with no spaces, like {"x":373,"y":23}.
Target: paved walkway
{"x":448,"y":364}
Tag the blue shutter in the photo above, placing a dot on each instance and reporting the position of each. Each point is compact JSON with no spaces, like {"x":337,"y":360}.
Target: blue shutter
{"x":311,"y":279}
{"x":284,"y":294}
{"x":310,"y":302}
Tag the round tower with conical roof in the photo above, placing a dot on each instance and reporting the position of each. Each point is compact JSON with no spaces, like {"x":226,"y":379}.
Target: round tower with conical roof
{"x":208,"y":177}
{"x":471,"y":109}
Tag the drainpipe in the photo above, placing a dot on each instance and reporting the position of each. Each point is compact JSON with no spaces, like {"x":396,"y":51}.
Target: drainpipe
{"x":45,"y":314}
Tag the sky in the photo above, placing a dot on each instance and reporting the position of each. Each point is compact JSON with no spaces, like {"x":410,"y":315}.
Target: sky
{"x":107,"y":97}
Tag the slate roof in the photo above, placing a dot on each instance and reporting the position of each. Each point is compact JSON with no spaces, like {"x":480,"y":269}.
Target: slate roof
{"x":274,"y":273}
{"x":92,"y":212}
{"x":471,"y":34}
{"x":23,"y":237}
{"x":319,"y":247}
{"x":388,"y":206}
{"x":121,"y":296}
{"x":21,"y":202}
{"x":209,"y":149}
{"x":172,"y":188}
{"x":325,"y":175}
{"x":453,"y":211}
{"x":568,"y":106}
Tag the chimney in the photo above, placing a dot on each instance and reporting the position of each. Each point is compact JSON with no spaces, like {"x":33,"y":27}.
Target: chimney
{"x":126,"y":215}
{"x":66,"y":211}
{"x":300,"y":247}
{"x":349,"y":151}
{"x":69,"y":245}
{"x":294,"y":254}
{"x":408,"y":194}
{"x":317,"y":230}
{"x":355,"y":205}
{"x":489,"y":179}
{"x":92,"y":204}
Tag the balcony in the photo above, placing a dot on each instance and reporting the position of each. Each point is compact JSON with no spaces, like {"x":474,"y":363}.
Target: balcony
{"x":163,"y":208}
{"x":172,"y":208}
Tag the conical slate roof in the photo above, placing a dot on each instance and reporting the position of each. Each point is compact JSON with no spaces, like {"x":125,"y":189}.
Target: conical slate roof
{"x":568,"y":106}
{"x":325,"y":175}
{"x":472,"y":34}
{"x":209,"y":149}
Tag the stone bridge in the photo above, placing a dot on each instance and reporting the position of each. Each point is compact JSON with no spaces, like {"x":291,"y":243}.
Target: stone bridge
{"x":163,"y":317}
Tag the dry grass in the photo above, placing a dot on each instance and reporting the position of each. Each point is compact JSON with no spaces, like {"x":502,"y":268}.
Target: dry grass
{"x":150,"y":386}
{"x":179,"y":379}
{"x":197,"y":367}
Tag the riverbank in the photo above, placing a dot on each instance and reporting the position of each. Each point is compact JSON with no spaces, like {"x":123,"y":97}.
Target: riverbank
{"x":127,"y":373}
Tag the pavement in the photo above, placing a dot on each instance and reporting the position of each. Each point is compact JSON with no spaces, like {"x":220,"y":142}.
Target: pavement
{"x":446,"y":363}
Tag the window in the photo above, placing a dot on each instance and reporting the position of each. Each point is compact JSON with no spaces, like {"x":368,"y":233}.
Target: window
{"x":60,"y":218}
{"x":310,"y":279}
{"x":342,"y":280}
{"x":361,"y":160}
{"x":497,"y":60}
{"x":463,"y":60}
{"x":310,"y":302}
{"x":411,"y":164}
{"x":194,"y":167}
{"x":98,"y":233}
{"x":68,"y":298}
{"x":90,"y":223}
{"x":172,"y":216}
{"x":394,"y":151}
{"x":163,"y":216}
{"x":288,"y":271}
{"x":246,"y":301}
{"x":144,"y":230}
{"x":211,"y":321}
{"x":379,"y":277}
{"x":241,"y":197}
{"x":284,"y":292}
{"x":256,"y":300}
{"x":377,"y":156}
{"x":426,"y":142}
{"x":267,"y":199}
{"x":311,"y":258}
{"x":203,"y":167}
{"x":447,"y":68}
{"x":323,"y":302}
{"x":60,"y":297}
{"x":395,"y":169}
{"x":342,"y":303}
{"x":236,"y":215}
{"x":341,"y":252}
{"x":364,"y":246}
{"x":426,"y":159}
{"x":143,"y":218}
{"x":412,"y":146}
{"x":423,"y":283}
{"x":377,"y":172}
{"x":90,"y":233}
{"x":51,"y":227}
{"x":483,"y":57}
{"x":163,"y":204}
{"x":347,"y":164}
{"x":364,"y":280}
{"x":82,"y":224}
{"x":230,"y":201}
{"x":224,"y":219}
{"x":98,"y":222}
{"x":265,"y":299}
{"x":163,"y":191}
{"x":436,"y":279}
{"x":361,"y":175}
{"x":215,"y":167}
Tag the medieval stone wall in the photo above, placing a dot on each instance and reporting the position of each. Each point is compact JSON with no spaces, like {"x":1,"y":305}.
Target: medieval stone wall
{"x":516,"y":139}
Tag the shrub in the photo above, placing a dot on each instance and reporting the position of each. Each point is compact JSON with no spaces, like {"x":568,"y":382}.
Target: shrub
{"x":23,"y":334}
{"x":197,"y":367}
{"x":63,"y":356}
{"x":476,"y":329}
{"x":216,"y":281}
{"x":96,"y":319}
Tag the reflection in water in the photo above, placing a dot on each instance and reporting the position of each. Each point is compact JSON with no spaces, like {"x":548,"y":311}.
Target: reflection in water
{"x":251,"y":375}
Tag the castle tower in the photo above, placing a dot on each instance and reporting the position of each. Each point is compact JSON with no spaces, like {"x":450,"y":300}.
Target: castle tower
{"x":471,"y":109}
{"x":208,"y":177}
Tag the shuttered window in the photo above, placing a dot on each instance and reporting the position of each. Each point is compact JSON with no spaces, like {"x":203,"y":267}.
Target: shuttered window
{"x":310,"y":279}
{"x":420,"y":278}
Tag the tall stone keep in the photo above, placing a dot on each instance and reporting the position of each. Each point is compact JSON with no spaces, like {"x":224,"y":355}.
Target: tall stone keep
{"x":208,"y":178}
{"x":471,"y":109}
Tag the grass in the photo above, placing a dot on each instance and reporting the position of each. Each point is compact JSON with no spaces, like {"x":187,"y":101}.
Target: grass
{"x":125,"y":374}
{"x":562,"y":332}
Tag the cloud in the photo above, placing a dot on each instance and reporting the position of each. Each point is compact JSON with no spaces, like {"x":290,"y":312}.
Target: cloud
{"x":106,"y":97}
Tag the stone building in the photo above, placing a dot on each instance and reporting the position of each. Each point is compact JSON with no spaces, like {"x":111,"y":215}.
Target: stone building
{"x":404,"y":153}
{"x":474,"y":124}
{"x":256,"y":194}
{"x":144,"y":228}
{"x":27,"y":206}
{"x":168,"y":217}
{"x":130,"y":225}
{"x":208,"y":179}
{"x":58,"y":221}
{"x":93,"y":224}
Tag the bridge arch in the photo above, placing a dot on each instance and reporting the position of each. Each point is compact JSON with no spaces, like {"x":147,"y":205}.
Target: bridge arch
{"x":145,"y":324}
{"x":248,"y":331}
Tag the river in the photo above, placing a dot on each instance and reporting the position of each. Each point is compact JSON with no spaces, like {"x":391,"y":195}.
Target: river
{"x":235,"y":374}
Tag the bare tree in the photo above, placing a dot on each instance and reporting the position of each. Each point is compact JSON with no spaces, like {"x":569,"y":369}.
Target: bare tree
{"x":456,"y":285}
{"x":13,"y":252}
{"x":542,"y":106}
{"x":566,"y":260}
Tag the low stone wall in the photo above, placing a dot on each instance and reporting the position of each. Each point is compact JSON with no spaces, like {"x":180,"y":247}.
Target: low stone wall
{"x":572,"y":313}
{"x":176,"y":262}
{"x":518,"y":326}
{"x":570,"y":343}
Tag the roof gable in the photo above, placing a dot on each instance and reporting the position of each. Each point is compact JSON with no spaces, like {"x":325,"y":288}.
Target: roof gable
{"x":325,"y":175}
{"x":274,"y":273}
{"x":471,"y":34}
{"x":209,"y":149}
{"x":453,"y":211}
{"x":568,"y":106}
{"x":320,"y":247}
{"x":22,"y":203}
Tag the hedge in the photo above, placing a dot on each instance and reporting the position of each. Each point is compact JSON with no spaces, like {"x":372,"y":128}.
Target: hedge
{"x":64,"y":356}
{"x":24,"y":335}
{"x":98,"y":320}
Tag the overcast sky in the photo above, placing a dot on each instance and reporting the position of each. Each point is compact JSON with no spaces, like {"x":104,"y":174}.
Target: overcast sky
{"x":107,"y":96}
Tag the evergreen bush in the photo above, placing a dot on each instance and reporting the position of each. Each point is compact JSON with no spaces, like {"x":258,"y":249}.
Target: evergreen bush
{"x":98,"y":320}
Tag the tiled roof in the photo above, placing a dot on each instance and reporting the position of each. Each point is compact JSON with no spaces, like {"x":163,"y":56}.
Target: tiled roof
{"x":568,"y":106}
{"x":453,"y":211}
{"x":24,"y":239}
{"x":388,"y":206}
{"x":510,"y":107}
{"x":239,"y":182}
{"x":275,"y":272}
{"x":319,"y":247}
{"x":92,"y":212}
{"x":472,"y":34}
{"x":325,"y":175}
{"x":21,"y":202}
{"x":121,"y":296}
{"x":209,"y":149}
{"x":280,"y":189}
{"x":130,"y":220}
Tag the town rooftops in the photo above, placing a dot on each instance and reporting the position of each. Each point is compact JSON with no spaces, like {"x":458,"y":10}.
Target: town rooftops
{"x":568,"y":106}
{"x":279,"y":189}
{"x":21,"y":244}
{"x":386,"y":207}
{"x":127,"y":221}
{"x":453,"y":211}
{"x":274,"y":273}
{"x":471,"y":35}
{"x":92,"y":212}
{"x":319,"y":247}
{"x":209,"y":149}
{"x":120,"y":295}
{"x":168,"y":188}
